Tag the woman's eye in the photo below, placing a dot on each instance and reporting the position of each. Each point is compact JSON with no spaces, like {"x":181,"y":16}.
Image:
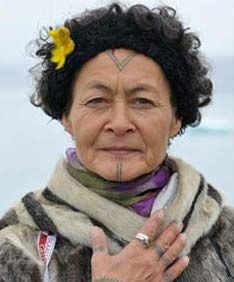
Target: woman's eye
{"x":96,"y":101}
{"x":143,"y":101}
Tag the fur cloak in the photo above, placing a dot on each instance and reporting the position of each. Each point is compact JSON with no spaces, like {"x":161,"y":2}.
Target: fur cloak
{"x":68,"y":209}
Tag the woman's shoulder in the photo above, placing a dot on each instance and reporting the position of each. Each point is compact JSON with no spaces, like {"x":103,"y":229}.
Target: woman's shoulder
{"x":22,"y":259}
{"x":13,"y":230}
{"x":222,"y":239}
{"x":223,"y":229}
{"x":228,"y":213}
{"x":18,"y":255}
{"x":225,"y":223}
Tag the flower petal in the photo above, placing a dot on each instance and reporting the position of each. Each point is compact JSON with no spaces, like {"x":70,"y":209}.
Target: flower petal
{"x":64,"y":45}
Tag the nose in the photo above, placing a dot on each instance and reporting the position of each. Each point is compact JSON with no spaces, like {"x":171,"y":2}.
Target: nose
{"x":120,"y":121}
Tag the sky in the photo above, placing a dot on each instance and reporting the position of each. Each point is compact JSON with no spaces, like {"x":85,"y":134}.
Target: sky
{"x":21,"y":21}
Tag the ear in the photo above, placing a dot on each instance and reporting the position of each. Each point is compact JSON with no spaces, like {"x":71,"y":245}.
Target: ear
{"x":67,"y":124}
{"x":175,"y":127}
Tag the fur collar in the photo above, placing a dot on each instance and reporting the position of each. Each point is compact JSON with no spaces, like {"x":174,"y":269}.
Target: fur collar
{"x":193,"y":204}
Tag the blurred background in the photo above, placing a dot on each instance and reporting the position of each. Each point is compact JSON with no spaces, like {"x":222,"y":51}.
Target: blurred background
{"x":31,"y":143}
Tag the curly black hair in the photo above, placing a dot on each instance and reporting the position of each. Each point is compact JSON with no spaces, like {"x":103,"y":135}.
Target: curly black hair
{"x":156,"y":33}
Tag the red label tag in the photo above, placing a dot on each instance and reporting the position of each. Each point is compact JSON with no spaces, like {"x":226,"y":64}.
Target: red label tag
{"x":42,"y":242}
{"x":46,"y":244}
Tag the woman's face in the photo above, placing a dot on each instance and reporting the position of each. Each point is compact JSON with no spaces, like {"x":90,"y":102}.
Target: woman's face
{"x":121,"y":117}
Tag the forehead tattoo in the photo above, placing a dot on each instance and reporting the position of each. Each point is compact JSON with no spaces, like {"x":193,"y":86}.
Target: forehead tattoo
{"x":121,"y":64}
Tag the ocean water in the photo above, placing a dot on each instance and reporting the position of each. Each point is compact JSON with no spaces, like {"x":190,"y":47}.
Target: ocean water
{"x":31,"y":144}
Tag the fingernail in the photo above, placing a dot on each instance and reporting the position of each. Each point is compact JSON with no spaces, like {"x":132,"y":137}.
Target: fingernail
{"x":186,"y":260}
{"x":180,"y":225}
{"x":95,"y":231}
{"x":160,"y":214}
{"x":183,"y":236}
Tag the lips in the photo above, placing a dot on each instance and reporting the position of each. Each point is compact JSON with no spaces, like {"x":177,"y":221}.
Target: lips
{"x":120,"y":150}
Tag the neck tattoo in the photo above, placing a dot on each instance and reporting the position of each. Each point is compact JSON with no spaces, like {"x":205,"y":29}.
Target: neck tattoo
{"x":121,"y":64}
{"x":119,"y":171}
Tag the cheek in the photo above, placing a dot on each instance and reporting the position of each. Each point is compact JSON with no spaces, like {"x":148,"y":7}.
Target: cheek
{"x":156,"y":132}
{"x":156,"y":138}
{"x":86,"y":127}
{"x":85,"y":136}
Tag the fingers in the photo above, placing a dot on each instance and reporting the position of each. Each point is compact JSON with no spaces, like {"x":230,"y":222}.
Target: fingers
{"x":151,"y":226}
{"x":171,"y":255}
{"x":176,"y":269}
{"x":98,"y":241}
{"x":166,"y":238}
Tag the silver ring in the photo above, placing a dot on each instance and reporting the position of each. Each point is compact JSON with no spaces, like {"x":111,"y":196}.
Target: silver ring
{"x":143,"y":239}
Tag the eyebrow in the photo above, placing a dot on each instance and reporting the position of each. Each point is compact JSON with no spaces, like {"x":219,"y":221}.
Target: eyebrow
{"x":95,"y":84}
{"x":142,"y":86}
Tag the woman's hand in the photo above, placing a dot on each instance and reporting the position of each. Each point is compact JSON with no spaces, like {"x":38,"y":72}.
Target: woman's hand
{"x":138,"y":263}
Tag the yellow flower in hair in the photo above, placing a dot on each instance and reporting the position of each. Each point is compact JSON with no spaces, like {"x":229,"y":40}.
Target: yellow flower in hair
{"x":64,"y":45}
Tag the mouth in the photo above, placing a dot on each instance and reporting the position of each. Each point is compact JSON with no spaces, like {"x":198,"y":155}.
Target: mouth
{"x":120,"y":151}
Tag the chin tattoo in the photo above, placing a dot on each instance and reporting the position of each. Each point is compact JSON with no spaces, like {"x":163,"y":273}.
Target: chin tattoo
{"x":119,"y":172}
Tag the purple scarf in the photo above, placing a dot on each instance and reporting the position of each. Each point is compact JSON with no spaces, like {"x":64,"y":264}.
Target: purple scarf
{"x":138,"y":194}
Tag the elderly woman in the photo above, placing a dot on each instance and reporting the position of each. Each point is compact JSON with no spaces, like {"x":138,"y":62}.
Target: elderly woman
{"x":123,"y":82}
